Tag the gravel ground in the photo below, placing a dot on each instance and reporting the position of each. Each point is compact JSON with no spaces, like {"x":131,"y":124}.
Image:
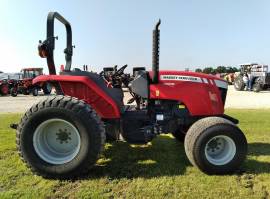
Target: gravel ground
{"x":247,"y":99}
{"x":235,"y":99}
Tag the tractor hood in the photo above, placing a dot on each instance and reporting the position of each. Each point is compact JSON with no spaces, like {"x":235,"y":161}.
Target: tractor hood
{"x":202,"y":94}
{"x":175,"y":76}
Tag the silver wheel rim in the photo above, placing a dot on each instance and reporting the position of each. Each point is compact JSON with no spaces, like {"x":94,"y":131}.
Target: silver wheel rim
{"x":56,"y":141}
{"x":220,"y":150}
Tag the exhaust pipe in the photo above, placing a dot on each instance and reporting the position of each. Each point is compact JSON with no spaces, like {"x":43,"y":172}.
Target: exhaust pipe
{"x":155,"y":53}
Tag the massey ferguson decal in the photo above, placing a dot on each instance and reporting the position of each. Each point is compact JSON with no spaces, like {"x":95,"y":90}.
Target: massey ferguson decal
{"x":181,"y":78}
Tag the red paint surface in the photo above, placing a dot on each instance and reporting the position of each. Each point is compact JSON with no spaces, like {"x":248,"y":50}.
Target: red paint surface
{"x":199,"y":98}
{"x":85,"y":89}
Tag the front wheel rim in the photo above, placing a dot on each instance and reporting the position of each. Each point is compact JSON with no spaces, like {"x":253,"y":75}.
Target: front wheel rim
{"x":220,"y":150}
{"x":56,"y":141}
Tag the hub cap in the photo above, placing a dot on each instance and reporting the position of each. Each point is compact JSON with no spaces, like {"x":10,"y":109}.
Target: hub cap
{"x":56,"y":141}
{"x":220,"y":150}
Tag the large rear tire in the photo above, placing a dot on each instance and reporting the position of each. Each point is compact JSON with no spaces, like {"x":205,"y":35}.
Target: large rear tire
{"x":60,"y":137}
{"x":215,"y":145}
{"x":239,"y":84}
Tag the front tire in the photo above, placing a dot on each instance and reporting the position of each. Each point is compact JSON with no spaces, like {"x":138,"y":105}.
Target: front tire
{"x":257,"y":86}
{"x":13,"y":92}
{"x":215,"y":145}
{"x":35,"y":91}
{"x":60,"y":137}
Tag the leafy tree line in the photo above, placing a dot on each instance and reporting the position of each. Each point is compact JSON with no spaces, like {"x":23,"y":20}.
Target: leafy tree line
{"x":219,"y":69}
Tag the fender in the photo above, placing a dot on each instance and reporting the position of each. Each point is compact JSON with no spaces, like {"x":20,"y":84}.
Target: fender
{"x":85,"y":89}
{"x":232,"y":119}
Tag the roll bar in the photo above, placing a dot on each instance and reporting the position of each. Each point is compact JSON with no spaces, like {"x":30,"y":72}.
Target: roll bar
{"x":46,"y":47}
{"x":155,"y":53}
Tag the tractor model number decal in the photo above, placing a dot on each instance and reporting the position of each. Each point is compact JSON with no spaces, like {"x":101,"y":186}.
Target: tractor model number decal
{"x":181,"y":78}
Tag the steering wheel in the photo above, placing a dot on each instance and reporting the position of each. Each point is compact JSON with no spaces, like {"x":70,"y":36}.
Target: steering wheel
{"x":101,"y":73}
{"x":120,"y":71}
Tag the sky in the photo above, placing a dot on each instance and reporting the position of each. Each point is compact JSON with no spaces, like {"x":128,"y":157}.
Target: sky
{"x":194,"y":34}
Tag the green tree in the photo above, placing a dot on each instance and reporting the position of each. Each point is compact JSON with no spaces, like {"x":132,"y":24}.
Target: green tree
{"x":198,"y":70}
{"x":235,"y":69}
{"x":221,"y":69}
{"x":229,"y":69}
{"x":209,"y":70}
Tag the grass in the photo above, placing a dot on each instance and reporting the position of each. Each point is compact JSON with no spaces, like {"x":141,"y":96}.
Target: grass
{"x":158,"y":170}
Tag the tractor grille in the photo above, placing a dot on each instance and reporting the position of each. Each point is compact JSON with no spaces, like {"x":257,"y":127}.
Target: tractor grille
{"x":223,"y":94}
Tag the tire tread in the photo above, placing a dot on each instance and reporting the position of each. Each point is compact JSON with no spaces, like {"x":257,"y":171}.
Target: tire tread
{"x":76,"y":105}
{"x":196,"y":130}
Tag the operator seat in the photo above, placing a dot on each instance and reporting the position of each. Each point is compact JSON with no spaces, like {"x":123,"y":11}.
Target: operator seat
{"x":115,"y":93}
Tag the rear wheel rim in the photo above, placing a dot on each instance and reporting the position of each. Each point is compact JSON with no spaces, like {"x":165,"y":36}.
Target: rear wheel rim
{"x":56,"y":141}
{"x":220,"y":150}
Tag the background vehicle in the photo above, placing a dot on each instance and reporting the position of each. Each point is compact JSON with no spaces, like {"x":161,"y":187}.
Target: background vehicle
{"x":22,"y":82}
{"x":25,"y":85}
{"x":260,"y":77}
{"x":62,"y":136}
{"x":9,"y":83}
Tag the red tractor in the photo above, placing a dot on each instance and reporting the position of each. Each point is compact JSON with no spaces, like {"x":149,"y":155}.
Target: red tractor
{"x":8,"y":83}
{"x":25,"y":85}
{"x":63,"y":135}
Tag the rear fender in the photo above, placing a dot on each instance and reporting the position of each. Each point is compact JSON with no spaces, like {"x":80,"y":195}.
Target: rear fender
{"x":85,"y":89}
